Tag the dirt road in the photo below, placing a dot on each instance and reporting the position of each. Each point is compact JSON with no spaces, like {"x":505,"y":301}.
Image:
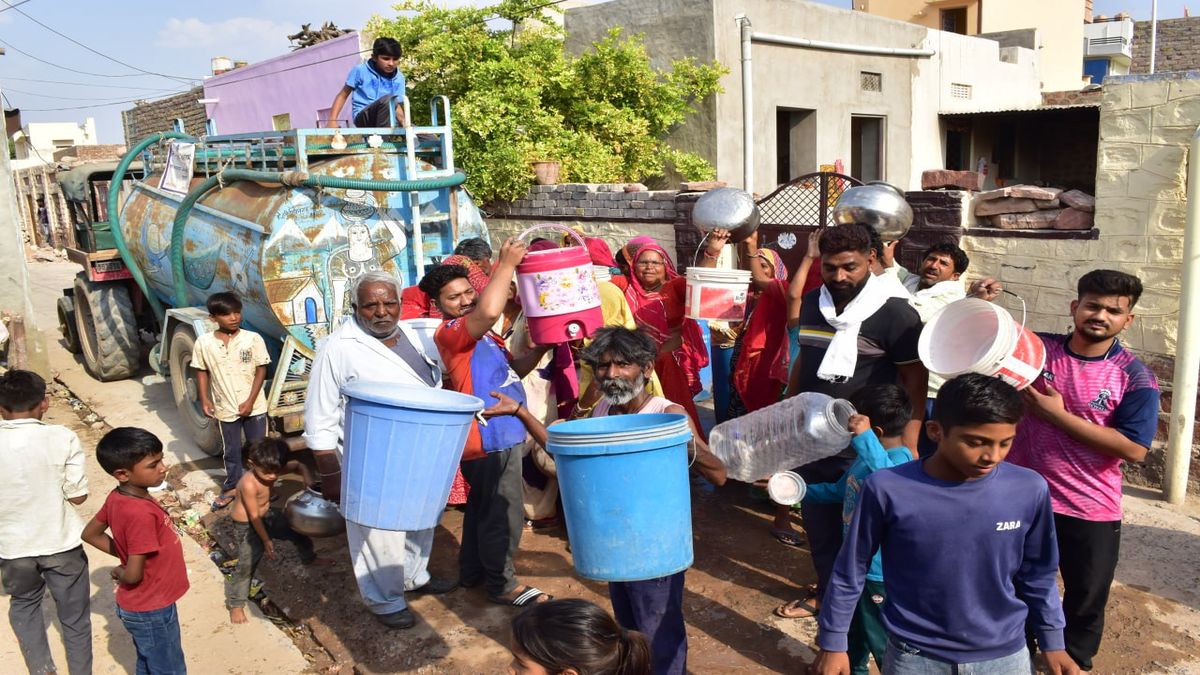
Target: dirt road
{"x":740,"y":574}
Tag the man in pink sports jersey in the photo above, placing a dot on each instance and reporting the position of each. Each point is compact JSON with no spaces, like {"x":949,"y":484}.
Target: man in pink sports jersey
{"x":1095,"y":405}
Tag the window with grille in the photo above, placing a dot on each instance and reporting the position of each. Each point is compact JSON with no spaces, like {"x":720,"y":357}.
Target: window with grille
{"x":871,"y":81}
{"x":960,"y":90}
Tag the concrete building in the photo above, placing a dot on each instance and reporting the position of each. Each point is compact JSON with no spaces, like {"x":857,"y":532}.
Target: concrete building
{"x":1059,"y":27}
{"x":882,"y":114}
{"x":36,"y":142}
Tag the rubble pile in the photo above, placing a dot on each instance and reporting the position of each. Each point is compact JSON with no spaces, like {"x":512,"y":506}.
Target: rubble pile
{"x":1028,"y":207}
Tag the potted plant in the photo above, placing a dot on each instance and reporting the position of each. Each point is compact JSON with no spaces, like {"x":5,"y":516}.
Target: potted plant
{"x":545,"y":167}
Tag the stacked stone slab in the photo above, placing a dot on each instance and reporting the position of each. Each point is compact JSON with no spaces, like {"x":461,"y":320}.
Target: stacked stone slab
{"x":1028,"y":207}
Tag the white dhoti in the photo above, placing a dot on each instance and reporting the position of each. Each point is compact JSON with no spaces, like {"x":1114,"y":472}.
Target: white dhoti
{"x":387,"y":563}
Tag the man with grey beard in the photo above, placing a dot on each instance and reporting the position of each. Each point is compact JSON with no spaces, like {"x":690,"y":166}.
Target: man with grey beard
{"x":622,"y":361}
{"x":372,"y":345}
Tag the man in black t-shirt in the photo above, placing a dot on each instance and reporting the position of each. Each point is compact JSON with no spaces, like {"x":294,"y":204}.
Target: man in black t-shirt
{"x":886,"y":330}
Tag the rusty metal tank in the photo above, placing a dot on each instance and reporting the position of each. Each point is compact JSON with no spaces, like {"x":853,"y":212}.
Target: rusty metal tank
{"x":292,"y":254}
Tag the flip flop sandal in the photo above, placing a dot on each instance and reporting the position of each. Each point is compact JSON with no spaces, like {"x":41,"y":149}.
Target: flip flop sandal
{"x":788,"y":537}
{"x":221,"y":502}
{"x":788,"y":611}
{"x":527,"y":597}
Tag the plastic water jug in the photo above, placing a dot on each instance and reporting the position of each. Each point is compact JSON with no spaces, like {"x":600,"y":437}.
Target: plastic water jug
{"x":558,"y":291}
{"x":794,"y":432}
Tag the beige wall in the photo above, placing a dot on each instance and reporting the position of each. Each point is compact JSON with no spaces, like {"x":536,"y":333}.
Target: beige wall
{"x":921,"y":12}
{"x":1145,"y":127}
{"x":1060,"y":35}
{"x":915,"y":90}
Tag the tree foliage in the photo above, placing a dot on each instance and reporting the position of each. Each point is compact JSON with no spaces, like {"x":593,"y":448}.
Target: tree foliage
{"x":517,"y":96}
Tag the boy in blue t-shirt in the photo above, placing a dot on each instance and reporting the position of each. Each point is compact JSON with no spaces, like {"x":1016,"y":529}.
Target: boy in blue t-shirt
{"x":884,"y":410}
{"x":373,"y":86}
{"x":968,"y":549}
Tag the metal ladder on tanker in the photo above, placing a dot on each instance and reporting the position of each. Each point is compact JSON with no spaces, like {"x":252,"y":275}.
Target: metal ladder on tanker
{"x":440,"y":132}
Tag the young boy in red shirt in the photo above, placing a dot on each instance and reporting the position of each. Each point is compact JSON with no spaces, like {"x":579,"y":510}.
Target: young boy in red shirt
{"x":152,"y":575}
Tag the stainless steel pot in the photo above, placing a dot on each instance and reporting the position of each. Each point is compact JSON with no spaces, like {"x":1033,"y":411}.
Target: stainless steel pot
{"x":878,"y":204}
{"x":309,"y":513}
{"x":729,"y":209}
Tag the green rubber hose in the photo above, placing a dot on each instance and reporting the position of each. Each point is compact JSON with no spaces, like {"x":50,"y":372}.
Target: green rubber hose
{"x":114,"y":219}
{"x":316,"y":181}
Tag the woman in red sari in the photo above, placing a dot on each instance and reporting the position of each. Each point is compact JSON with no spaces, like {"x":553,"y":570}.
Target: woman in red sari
{"x":656,"y":297}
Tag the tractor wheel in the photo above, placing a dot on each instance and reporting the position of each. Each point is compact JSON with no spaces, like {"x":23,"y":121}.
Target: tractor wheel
{"x":107,"y":329}
{"x":204,"y":430}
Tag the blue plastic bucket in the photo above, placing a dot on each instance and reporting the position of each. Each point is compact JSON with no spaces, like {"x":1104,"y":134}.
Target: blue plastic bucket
{"x":625,"y":493}
{"x":401,"y":448}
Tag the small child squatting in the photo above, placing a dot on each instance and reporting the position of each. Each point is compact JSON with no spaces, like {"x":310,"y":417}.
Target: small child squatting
{"x":256,"y":525}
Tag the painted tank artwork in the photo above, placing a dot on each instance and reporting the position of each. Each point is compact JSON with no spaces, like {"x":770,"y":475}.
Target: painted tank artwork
{"x":293,"y":254}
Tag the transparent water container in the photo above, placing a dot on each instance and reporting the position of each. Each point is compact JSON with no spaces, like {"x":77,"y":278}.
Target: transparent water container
{"x":794,"y":432}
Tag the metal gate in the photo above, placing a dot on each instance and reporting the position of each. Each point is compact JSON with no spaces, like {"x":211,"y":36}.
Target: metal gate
{"x":796,"y":208}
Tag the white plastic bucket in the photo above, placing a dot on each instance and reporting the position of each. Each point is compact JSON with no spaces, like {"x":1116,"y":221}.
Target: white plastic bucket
{"x":602,"y":273}
{"x":976,"y":336}
{"x":425,"y":328}
{"x":716,"y":294}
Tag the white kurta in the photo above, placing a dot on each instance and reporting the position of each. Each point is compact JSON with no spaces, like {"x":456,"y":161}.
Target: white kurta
{"x":386,"y":562}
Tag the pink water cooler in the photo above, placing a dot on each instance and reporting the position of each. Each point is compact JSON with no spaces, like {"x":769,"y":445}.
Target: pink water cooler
{"x":558,"y":292}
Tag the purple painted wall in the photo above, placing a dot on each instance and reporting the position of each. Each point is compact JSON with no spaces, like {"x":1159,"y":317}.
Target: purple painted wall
{"x":301,"y":84}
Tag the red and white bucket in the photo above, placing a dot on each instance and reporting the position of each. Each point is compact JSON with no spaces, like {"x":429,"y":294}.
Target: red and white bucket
{"x":716,"y":294}
{"x":976,"y":336}
{"x":558,"y":291}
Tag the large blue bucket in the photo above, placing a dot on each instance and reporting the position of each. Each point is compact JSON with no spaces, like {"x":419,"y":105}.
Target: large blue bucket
{"x":401,"y":447}
{"x":625,"y":493}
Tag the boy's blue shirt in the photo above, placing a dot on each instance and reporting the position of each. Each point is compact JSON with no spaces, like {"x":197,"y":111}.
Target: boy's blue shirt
{"x":370,"y":85}
{"x":871,"y":458}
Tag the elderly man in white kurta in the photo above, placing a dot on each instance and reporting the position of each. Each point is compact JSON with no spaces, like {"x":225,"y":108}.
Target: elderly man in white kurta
{"x":372,"y":345}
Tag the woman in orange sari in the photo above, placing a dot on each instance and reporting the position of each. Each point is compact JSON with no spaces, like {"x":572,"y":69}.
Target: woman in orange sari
{"x":656,"y":296}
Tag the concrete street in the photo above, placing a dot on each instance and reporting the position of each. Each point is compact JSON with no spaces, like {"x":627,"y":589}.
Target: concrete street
{"x":210,"y":643}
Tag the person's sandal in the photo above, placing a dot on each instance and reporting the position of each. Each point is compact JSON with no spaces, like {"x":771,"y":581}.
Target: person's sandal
{"x":221,"y":502}
{"x":529,"y":596}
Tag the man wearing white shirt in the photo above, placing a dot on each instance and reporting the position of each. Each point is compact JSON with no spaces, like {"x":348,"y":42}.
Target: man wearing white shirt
{"x":936,"y":284}
{"x":373,"y":346}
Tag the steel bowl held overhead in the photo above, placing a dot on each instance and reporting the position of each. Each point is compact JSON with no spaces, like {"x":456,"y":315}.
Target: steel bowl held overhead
{"x":878,"y":204}
{"x":727,"y":209}
{"x":309,"y":513}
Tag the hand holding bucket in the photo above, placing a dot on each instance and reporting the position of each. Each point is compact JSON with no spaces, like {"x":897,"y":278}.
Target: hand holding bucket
{"x":975,"y":336}
{"x":558,"y":291}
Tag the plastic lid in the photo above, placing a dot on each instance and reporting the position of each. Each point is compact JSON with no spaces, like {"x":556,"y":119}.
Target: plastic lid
{"x":787,"y":488}
{"x":409,"y":396}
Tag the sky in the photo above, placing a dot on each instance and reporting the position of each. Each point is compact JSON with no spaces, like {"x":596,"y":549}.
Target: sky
{"x":175,"y":41}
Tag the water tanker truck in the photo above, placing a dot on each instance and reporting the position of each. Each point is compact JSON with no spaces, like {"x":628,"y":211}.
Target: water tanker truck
{"x":286,"y":220}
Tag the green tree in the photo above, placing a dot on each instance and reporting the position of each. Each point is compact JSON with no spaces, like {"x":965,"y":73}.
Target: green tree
{"x":517,"y":96}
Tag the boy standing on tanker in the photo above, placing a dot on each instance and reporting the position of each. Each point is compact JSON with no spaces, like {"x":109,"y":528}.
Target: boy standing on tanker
{"x":1095,"y":406}
{"x":968,"y":550}
{"x":372,"y":86}
{"x":152,"y":575}
{"x":231,"y":364}
{"x":43,"y":465}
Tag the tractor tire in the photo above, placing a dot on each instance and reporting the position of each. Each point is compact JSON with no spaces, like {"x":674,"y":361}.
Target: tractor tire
{"x":107,"y":329}
{"x":204,"y":430}
{"x":66,"y":324}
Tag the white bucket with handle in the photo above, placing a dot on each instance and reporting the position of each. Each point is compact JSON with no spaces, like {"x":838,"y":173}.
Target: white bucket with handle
{"x":976,"y":336}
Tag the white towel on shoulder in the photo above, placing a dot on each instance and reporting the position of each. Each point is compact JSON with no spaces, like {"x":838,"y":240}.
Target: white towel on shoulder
{"x":927,"y":301}
{"x":842,"y":355}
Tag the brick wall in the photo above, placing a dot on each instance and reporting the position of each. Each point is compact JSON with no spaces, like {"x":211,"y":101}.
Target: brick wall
{"x":91,"y":153}
{"x":154,"y":116}
{"x":598,"y":210}
{"x":1178,"y":45}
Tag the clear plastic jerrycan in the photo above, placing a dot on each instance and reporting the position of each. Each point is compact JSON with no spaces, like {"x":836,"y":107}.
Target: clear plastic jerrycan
{"x":788,"y":434}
